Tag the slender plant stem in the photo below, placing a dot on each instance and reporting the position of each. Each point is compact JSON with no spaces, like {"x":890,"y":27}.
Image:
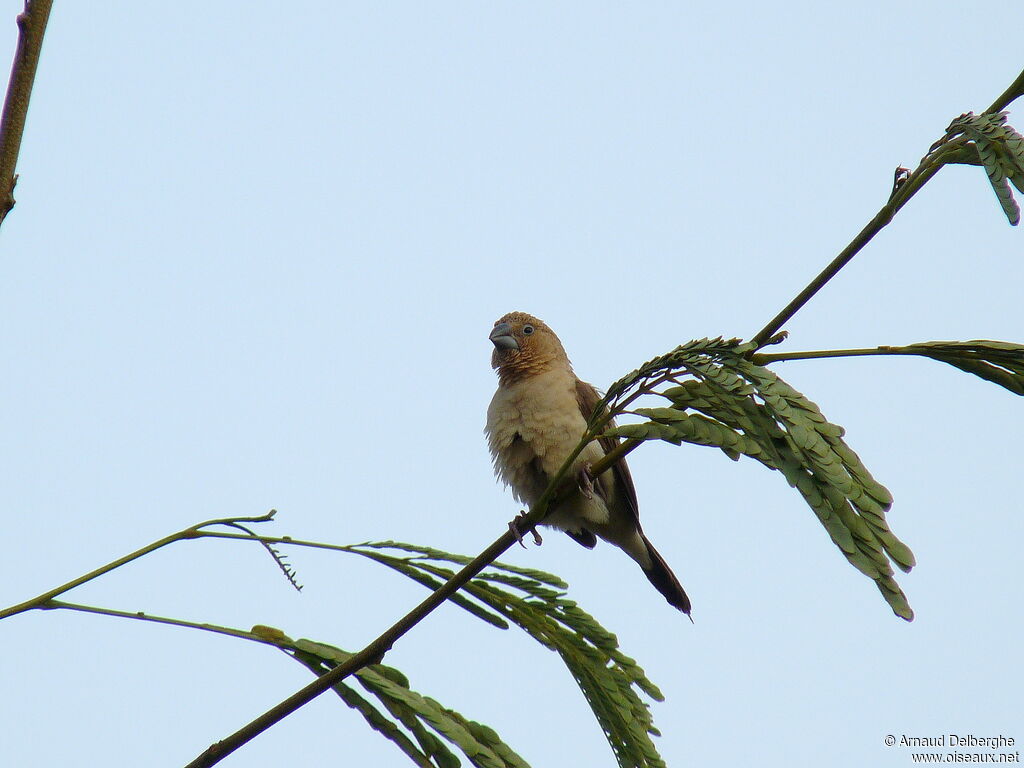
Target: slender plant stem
{"x":274,"y":540}
{"x":1014,"y":91}
{"x":917,"y":179}
{"x":192,"y":532}
{"x":140,"y":616}
{"x":622,"y":449}
{"x":783,"y":357}
{"x":31,"y":28}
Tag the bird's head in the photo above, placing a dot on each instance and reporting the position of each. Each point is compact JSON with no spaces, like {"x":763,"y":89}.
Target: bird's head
{"x":524,"y":346}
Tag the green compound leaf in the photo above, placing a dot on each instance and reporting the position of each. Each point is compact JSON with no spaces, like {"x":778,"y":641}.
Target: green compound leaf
{"x":745,"y":409}
{"x":999,"y":148}
{"x":997,"y":361}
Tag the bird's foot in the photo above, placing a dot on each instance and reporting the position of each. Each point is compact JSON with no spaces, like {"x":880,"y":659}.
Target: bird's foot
{"x":514,"y":527}
{"x":585,"y":479}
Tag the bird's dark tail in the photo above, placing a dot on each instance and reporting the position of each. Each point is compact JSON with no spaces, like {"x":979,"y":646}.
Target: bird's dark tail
{"x":661,"y":576}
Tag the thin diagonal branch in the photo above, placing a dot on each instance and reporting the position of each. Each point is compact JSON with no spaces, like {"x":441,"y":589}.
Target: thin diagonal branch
{"x":1013,"y":92}
{"x":31,"y":28}
{"x":928,"y":167}
{"x":917,"y":179}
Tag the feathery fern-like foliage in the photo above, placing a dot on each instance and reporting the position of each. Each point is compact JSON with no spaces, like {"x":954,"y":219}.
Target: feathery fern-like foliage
{"x":720,"y":398}
{"x":410,"y":720}
{"x":1000,"y":362}
{"x":536,"y":601}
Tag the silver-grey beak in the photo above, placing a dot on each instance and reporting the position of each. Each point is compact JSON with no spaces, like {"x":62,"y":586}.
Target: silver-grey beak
{"x":502,"y":337}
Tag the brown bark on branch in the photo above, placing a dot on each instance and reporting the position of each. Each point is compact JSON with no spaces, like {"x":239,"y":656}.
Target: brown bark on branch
{"x":31,"y":28}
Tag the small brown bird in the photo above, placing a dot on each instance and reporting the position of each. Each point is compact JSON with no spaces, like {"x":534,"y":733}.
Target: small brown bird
{"x":535,"y":420}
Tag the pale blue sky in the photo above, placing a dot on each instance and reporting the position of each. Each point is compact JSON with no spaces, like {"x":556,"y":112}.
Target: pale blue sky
{"x":255,"y":257}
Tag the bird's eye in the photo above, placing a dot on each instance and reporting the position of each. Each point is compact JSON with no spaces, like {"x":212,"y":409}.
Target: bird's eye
{"x":527,"y":330}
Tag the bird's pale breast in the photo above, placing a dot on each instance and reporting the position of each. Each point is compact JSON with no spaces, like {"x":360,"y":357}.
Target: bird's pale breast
{"x":532,"y":426}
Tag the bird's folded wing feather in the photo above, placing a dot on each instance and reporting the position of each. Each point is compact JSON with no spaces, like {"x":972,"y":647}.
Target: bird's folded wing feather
{"x":588,"y":398}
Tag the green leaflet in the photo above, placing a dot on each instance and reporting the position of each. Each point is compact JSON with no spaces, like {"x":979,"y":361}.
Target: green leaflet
{"x":745,"y":409}
{"x":1000,"y":184}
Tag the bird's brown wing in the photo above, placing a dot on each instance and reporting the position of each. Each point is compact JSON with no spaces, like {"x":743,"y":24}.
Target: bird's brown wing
{"x":588,"y":399}
{"x":654,"y":565}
